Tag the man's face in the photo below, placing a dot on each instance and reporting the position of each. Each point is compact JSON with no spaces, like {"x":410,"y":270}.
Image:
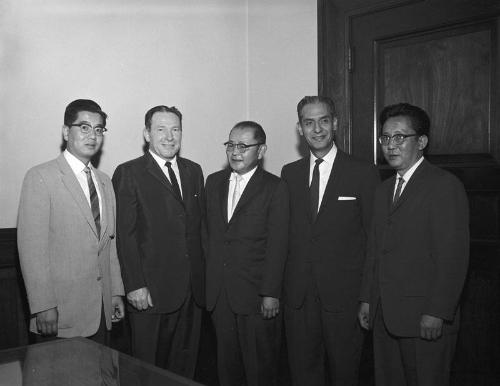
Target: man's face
{"x":83,"y":146}
{"x":164,"y":136}
{"x":317,"y":126}
{"x":402,"y":157}
{"x":240,"y":162}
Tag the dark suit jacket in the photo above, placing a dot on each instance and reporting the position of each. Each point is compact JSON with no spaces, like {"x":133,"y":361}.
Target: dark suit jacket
{"x":335,"y":243}
{"x":246,"y":255}
{"x":159,"y":236}
{"x":418,"y":251}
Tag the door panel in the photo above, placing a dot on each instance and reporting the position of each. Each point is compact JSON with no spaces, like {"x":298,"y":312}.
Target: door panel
{"x":448,"y":73}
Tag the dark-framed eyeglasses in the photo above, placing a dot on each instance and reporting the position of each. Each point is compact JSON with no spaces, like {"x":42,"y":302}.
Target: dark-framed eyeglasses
{"x":86,"y":129}
{"x":397,"y":139}
{"x":241,"y":147}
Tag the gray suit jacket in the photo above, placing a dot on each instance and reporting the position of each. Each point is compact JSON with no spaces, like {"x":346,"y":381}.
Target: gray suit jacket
{"x":63,"y":262}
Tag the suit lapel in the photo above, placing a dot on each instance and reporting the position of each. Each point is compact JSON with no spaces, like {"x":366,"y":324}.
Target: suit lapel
{"x":186,"y":181}
{"x":302,"y":183}
{"x":103,"y":203}
{"x":390,"y":193}
{"x":223,"y":192}
{"x":71,"y":183}
{"x":154,"y":169}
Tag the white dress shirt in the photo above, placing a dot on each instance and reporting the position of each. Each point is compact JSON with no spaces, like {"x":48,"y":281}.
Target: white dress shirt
{"x":325,"y":169}
{"x":78,"y":168}
{"x":232,"y":185}
{"x":164,"y":169}
{"x":406,"y":177}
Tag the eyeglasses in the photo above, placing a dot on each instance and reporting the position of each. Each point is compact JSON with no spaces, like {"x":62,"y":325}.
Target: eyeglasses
{"x":240,"y":146}
{"x":398,"y":139}
{"x":86,"y":129}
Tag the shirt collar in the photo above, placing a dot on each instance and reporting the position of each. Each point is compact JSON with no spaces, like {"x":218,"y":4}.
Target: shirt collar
{"x":161,"y":161}
{"x":410,"y":171}
{"x":75,"y":164}
{"x":244,"y":177}
{"x":329,"y":158}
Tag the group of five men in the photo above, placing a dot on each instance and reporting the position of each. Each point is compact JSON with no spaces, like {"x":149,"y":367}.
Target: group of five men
{"x":321,"y":247}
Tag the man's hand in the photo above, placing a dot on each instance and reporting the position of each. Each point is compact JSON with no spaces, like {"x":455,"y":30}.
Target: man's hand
{"x":140,"y":298}
{"x":118,"y":309}
{"x":46,"y":321}
{"x":270,"y":307}
{"x":364,"y":315}
{"x":430,"y":327}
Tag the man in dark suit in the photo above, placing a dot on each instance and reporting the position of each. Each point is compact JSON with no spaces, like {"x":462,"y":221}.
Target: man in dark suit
{"x":331,"y":196}
{"x":66,"y":236}
{"x":160,"y":201}
{"x":247,"y":217}
{"x":417,"y":258}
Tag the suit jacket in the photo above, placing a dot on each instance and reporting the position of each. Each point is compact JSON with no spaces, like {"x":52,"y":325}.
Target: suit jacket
{"x":335,"y":244}
{"x":63,"y":262}
{"x":247,"y":255}
{"x":159,"y":235}
{"x":418,"y":251}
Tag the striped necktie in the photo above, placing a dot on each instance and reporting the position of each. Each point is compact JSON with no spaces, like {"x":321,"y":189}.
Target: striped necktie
{"x":94,"y":201}
{"x":398,"y":190}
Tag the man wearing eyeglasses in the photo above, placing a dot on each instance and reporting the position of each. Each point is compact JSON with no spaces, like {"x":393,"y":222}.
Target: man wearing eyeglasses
{"x":331,"y":197}
{"x":417,"y":258}
{"x":66,"y":236}
{"x":160,"y":200}
{"x":247,"y":217}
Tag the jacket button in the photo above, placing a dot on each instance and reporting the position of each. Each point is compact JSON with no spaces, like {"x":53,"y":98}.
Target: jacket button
{"x":99,"y":278}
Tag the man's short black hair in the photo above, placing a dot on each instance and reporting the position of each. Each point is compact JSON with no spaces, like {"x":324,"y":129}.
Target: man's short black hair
{"x":72,"y":110}
{"x":258,"y":131}
{"x":161,"y":109}
{"x":420,"y":121}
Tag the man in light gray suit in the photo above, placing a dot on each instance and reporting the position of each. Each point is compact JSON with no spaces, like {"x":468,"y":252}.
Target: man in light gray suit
{"x":66,"y":236}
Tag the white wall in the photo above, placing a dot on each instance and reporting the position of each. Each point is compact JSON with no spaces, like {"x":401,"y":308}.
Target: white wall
{"x":218,"y":61}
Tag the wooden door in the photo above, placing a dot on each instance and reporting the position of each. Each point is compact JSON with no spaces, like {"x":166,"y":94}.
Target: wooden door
{"x":442,"y":55}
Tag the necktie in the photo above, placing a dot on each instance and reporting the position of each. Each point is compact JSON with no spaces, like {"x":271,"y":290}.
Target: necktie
{"x":314,"y":190}
{"x":398,"y":190}
{"x":236,"y":194}
{"x":94,"y":201}
{"x":173,"y":179}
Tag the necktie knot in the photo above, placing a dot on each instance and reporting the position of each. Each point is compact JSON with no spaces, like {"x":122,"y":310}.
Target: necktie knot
{"x":87,"y":170}
{"x":168,"y":164}
{"x":318,"y":162}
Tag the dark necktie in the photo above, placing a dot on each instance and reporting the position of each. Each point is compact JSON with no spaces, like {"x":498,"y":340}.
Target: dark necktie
{"x":398,"y":190}
{"x":94,"y":201}
{"x":314,"y":190}
{"x":173,"y":179}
